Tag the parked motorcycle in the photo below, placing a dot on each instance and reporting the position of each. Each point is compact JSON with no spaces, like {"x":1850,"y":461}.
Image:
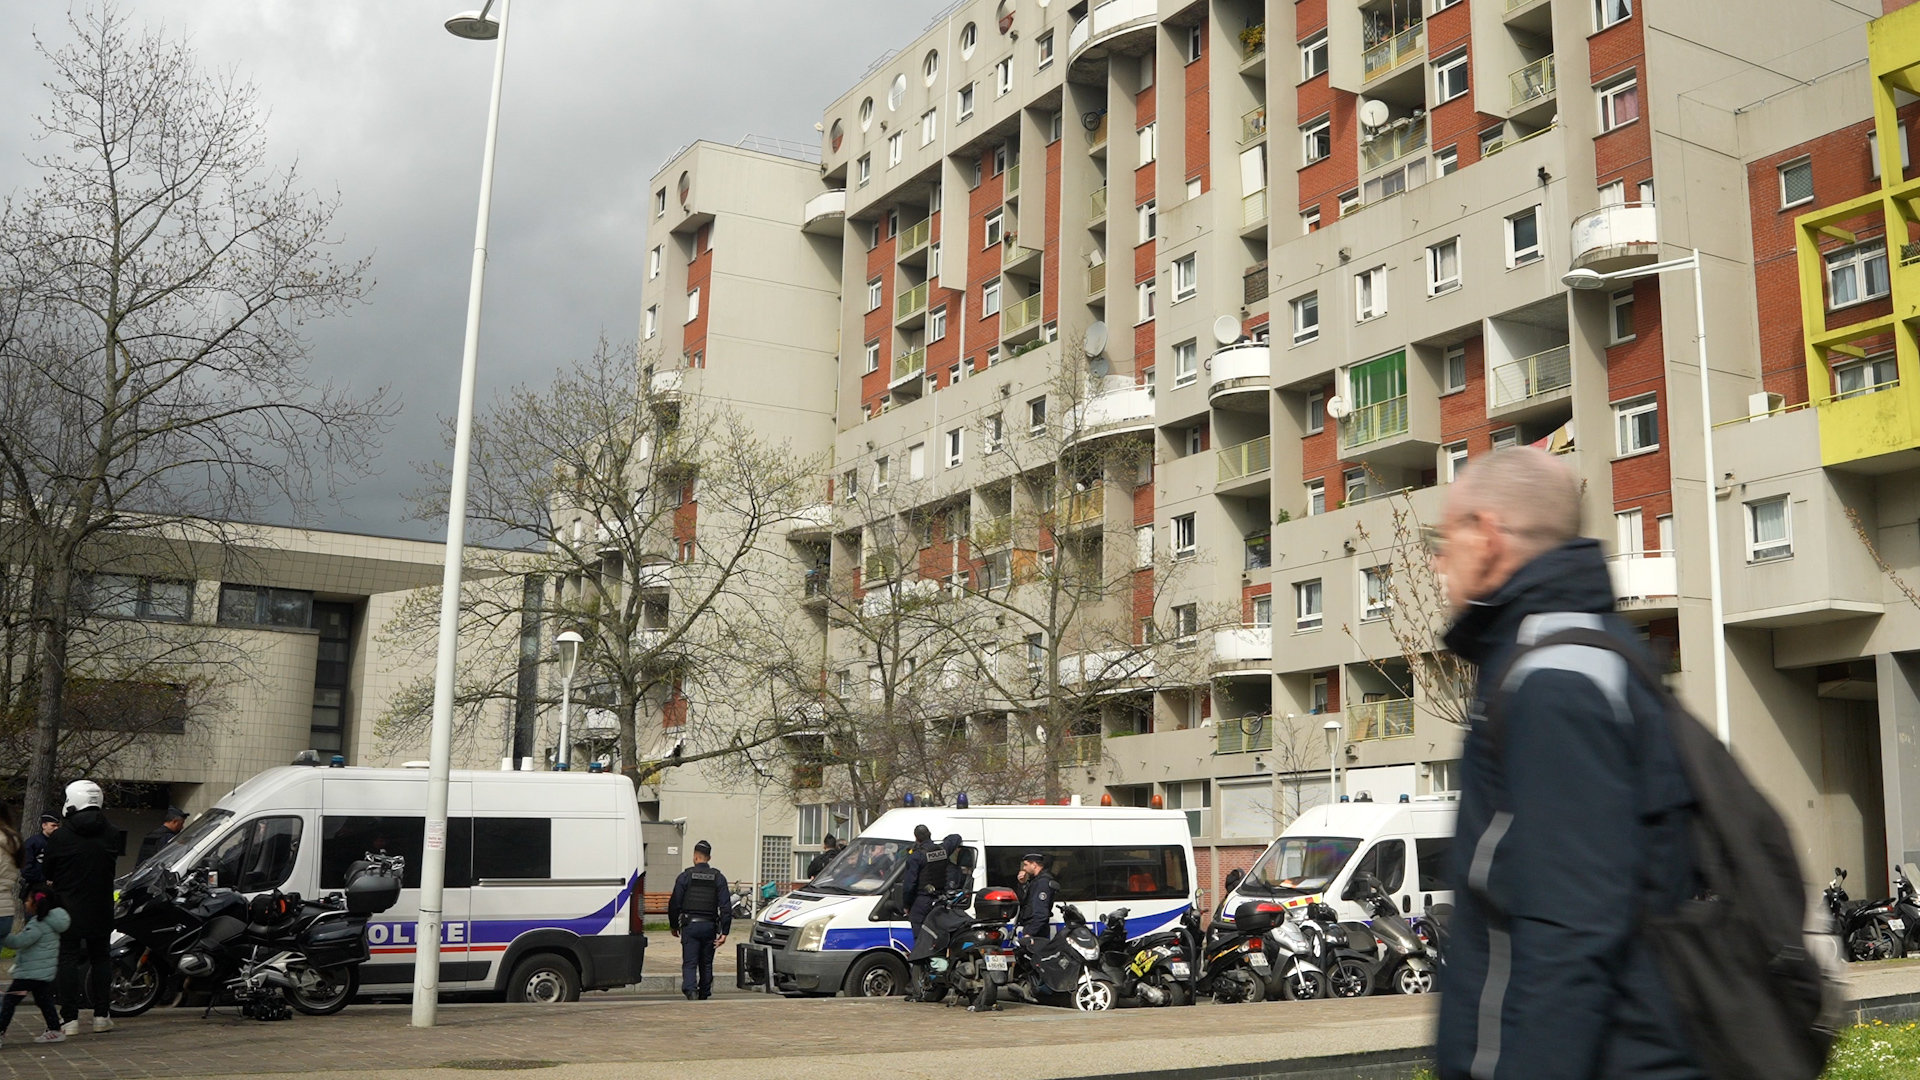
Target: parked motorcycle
{"x":1297,"y":951}
{"x":969,"y":954}
{"x":1353,"y":952}
{"x":1403,"y":963}
{"x":271,"y":954}
{"x":744,"y":905}
{"x":1235,"y":966}
{"x":1906,"y":909}
{"x":1065,"y":969}
{"x":1431,"y":929}
{"x":1871,"y":929}
{"x":1155,"y":970}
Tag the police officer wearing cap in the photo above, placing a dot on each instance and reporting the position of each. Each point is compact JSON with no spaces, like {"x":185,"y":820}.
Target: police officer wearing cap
{"x":699,"y":915}
{"x":926,"y":876}
{"x":1036,"y":913}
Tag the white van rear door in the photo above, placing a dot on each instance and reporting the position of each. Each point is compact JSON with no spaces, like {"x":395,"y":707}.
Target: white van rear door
{"x":362,"y":814}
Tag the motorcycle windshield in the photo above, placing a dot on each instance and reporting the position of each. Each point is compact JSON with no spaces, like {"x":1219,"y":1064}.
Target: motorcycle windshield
{"x":1298,"y":865}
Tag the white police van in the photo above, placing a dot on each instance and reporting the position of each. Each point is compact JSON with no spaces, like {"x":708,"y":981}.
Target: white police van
{"x":1404,"y":844}
{"x":824,"y":938}
{"x":545,"y":872}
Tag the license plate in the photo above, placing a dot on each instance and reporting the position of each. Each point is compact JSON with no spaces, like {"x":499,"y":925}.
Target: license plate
{"x":1898,"y":924}
{"x":996,"y":961}
{"x":1179,"y":968}
{"x":1258,"y":960}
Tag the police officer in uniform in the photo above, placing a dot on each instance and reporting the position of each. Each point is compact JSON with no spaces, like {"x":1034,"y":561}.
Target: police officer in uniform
{"x":828,"y":849}
{"x":1036,"y":913}
{"x":699,"y":915}
{"x":926,"y":876}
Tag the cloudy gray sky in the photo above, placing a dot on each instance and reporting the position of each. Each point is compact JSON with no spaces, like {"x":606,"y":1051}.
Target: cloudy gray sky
{"x":376,"y":100}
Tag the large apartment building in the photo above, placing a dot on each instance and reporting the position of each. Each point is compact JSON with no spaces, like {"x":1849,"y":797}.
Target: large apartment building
{"x":1308,"y":256}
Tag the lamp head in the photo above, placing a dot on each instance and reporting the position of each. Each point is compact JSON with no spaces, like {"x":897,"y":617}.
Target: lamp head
{"x":474,"y":25}
{"x":1584,"y":279}
{"x":568,"y":643}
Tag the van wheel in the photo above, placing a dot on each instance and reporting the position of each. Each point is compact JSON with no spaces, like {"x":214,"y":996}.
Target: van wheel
{"x":879,"y":975}
{"x":544,"y":979}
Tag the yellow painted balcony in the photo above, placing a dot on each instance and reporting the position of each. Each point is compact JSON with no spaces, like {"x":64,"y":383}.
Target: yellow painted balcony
{"x":1246,"y":459}
{"x":1097,"y":280}
{"x":1393,"y":145}
{"x":911,"y":302}
{"x":909,"y":364}
{"x":1012,"y":189}
{"x":1097,"y":205}
{"x":1394,"y":51}
{"x":914,"y":237}
{"x":1371,"y":423}
{"x":1085,"y":508}
{"x":1019,"y":315}
{"x":1253,"y":208}
{"x":1380,"y":719}
{"x":1534,"y":82}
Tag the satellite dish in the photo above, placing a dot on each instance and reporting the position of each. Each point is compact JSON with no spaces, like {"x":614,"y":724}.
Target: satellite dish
{"x":1226,"y":329}
{"x":1338,"y":408}
{"x":1373,"y":113}
{"x":1096,"y":339}
{"x":1099,"y":368}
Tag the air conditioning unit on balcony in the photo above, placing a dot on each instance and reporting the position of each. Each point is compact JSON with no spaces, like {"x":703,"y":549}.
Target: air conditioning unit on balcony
{"x":1764,"y":404}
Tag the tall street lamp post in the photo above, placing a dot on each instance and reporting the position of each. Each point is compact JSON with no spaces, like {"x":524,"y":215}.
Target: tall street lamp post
{"x":1593,"y":279}
{"x":568,"y":643}
{"x":1332,"y":728}
{"x":474,"y":26}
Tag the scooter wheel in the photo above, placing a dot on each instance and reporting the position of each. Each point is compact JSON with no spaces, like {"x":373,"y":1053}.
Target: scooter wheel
{"x":1305,"y":986}
{"x":1413,"y":978}
{"x":1092,"y":995}
{"x":1350,"y":979}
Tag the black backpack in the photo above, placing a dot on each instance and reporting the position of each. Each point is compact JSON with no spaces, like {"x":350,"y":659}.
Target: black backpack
{"x":1755,"y":1002}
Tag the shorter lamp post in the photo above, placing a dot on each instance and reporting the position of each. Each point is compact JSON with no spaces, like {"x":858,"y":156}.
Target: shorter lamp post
{"x":569,"y":644}
{"x":1332,"y":728}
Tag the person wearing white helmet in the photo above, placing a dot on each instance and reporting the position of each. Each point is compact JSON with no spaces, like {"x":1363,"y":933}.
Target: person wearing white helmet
{"x":80,"y":861}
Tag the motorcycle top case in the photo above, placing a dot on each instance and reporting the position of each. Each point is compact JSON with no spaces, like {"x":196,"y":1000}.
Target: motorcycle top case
{"x":1257,"y":916}
{"x":999,"y":904}
{"x":371,"y":893}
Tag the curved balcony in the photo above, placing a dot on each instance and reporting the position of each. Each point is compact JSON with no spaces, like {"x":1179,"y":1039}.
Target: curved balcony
{"x":1108,"y":21}
{"x":1239,"y":369}
{"x":1616,"y":238}
{"x":825,"y":213}
{"x":815,"y":521}
{"x":1122,"y":407}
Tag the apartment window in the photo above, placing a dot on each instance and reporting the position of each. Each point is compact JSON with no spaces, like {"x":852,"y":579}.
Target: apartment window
{"x":1316,"y":412}
{"x":1310,"y":221}
{"x":882,"y":473}
{"x":1147,"y":291}
{"x":937,"y":324}
{"x":1370,"y":294}
{"x":1195,"y":37}
{"x":1319,"y":694}
{"x":896,"y":148}
{"x":1000,"y":159}
{"x":1450,"y":76}
{"x":1443,"y":267}
{"x":973,"y":174}
{"x":1056,"y":127}
{"x":1637,"y":421}
{"x":969,"y":37}
{"x":1664,"y":523}
{"x":1003,"y":76}
{"x":1448,"y":160}
{"x":850,"y":483}
{"x":929,"y":125}
{"x":990,"y":298}
{"x":1306,"y":318}
{"x":1769,"y":530}
{"x":652,"y":321}
{"x":1143,"y":547}
{"x":1619,"y":104}
{"x":693,"y":305}
{"x":1194,"y":440}
{"x":1796,"y":182}
{"x":956,"y":373}
{"x":1492,"y":139}
{"x":1186,"y":363}
{"x":1316,"y":143}
{"x":1630,"y":532}
{"x":873,"y":357}
{"x":1865,"y":376}
{"x":124,"y":596}
{"x":875,"y":295}
{"x":1149,"y":217}
{"x":1873,"y":152}
{"x":1856,"y":273}
{"x":933,"y":259}
{"x":917,"y":461}
{"x":1306,"y":605}
{"x":1354,"y":483}
{"x":1149,"y":142}
{"x":864,"y":167}
{"x":1505,"y":438}
{"x":965,"y":109}
{"x":1620,"y":317}
{"x":993,"y":356}
{"x":893,"y":223}
{"x":242,"y":605}
{"x":1186,"y":625}
{"x":1608,"y":12}
{"x":1453,"y":374}
{"x":956,"y":447}
{"x":1523,"y":237}
{"x":660,"y":203}
{"x":1646,"y":191}
{"x":1316,"y":498}
{"x":1349,"y":203}
{"x":1374,"y":591}
{"x":930,"y":67}
{"x":1183,"y":537}
{"x":653,"y":263}
{"x":1043,"y":49}
{"x":996,"y":229}
{"x":1186,"y":278}
{"x":1313,"y":56}
{"x":993,"y":434}
{"x":1456,"y":455}
{"x":1262,"y":611}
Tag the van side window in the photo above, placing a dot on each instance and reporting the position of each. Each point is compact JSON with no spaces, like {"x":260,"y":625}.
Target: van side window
{"x":1141,"y":873}
{"x":347,"y":839}
{"x":1433,"y":853}
{"x":1074,"y":868}
{"x":512,"y":848}
{"x":1386,"y":860}
{"x":258,"y":855}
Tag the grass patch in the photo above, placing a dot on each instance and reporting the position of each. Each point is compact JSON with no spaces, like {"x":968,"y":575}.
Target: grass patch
{"x":1876,"y":1051}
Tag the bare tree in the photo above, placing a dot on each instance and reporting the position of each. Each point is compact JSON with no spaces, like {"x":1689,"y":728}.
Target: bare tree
{"x":1416,"y":613}
{"x":650,"y":519}
{"x":154,"y":290}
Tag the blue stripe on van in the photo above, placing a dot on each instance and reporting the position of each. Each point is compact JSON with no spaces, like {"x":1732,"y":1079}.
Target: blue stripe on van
{"x":896,"y":935}
{"x":504,"y":930}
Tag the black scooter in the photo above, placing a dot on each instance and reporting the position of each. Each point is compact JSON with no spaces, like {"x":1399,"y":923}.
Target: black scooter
{"x":1402,"y":961}
{"x":1906,"y":912}
{"x":1866,"y":926}
{"x":1155,"y":970}
{"x":1235,"y":964}
{"x":968,"y":954}
{"x":1354,"y":952}
{"x":1065,"y":969}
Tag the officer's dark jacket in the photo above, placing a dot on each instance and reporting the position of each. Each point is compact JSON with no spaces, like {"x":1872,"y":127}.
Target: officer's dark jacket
{"x":700,"y":891}
{"x":151,"y":844}
{"x":1575,"y":837}
{"x":820,"y":862}
{"x":1036,"y":919}
{"x":80,"y":861}
{"x":32,"y":870}
{"x":926,"y":870}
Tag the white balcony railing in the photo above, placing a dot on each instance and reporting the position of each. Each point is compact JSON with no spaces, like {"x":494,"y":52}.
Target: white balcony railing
{"x":1532,"y":376}
{"x":1124,"y":406}
{"x":1243,"y":643}
{"x":1615,"y":236}
{"x":828,"y":206}
{"x":1638,"y":575}
{"x":1394,"y":51}
{"x":1236,"y":362}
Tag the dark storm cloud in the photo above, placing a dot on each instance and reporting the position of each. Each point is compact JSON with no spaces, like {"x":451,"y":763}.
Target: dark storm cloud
{"x":378,"y":102}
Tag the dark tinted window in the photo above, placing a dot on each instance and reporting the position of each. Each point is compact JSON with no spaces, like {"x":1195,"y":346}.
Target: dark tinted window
{"x":345,"y":840}
{"x":1386,"y":860}
{"x":1074,"y":868}
{"x":1142,"y":872}
{"x":512,"y":848}
{"x":1434,"y":853}
{"x":257,"y":856}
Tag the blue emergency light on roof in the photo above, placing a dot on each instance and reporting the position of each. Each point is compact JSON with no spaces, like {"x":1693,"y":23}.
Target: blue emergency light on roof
{"x":907,"y":799}
{"x":1343,"y":798}
{"x":960,"y":801}
{"x":1404,"y":797}
{"x":337,"y":761}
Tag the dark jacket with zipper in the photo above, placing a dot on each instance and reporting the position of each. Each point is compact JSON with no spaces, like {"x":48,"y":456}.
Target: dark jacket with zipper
{"x":1575,"y":834}
{"x":81,"y":856}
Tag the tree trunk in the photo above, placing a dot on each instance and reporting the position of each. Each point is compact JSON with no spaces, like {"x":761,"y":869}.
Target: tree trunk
{"x":630,"y":740}
{"x":41,"y":797}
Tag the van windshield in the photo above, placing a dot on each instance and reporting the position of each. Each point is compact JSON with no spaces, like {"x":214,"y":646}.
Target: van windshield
{"x":1298,"y":865}
{"x":861,"y":868}
{"x":177,"y":849}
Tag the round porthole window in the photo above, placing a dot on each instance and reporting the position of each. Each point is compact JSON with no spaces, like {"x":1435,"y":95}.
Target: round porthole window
{"x":686,"y":188}
{"x":897,"y":93}
{"x":836,"y":134}
{"x":969,"y":37}
{"x":866,"y":114}
{"x":930,"y":67}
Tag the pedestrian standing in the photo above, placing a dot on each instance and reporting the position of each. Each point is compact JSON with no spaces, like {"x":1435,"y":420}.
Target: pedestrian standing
{"x":33,"y":870}
{"x":1036,"y":907}
{"x":1573,"y":826}
{"x":162,"y":836}
{"x":829,"y":847}
{"x":80,"y":863}
{"x":38,"y":947}
{"x":698,"y":914}
{"x":925,"y":878}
